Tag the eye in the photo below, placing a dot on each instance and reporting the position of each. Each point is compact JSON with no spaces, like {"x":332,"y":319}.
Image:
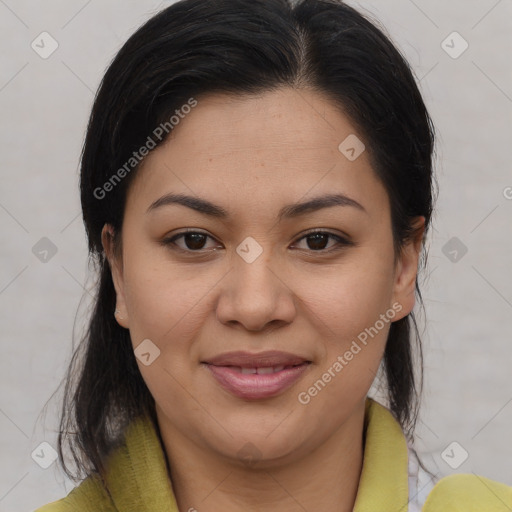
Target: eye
{"x":194,"y":241}
{"x":316,"y":241}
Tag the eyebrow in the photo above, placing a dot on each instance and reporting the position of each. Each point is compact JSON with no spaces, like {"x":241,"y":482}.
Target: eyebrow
{"x":289,"y":211}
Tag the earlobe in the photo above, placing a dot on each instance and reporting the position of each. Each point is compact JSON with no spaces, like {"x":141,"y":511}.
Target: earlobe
{"x":407,"y":269}
{"x":107,"y":240}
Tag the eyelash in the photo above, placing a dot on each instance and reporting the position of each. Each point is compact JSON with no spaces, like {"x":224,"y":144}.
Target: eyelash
{"x":342,"y":242}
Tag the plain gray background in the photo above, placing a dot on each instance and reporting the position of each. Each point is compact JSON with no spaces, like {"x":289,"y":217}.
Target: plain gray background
{"x":45,"y":105}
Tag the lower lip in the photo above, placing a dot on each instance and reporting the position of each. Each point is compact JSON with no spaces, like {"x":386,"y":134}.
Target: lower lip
{"x":254,"y":386}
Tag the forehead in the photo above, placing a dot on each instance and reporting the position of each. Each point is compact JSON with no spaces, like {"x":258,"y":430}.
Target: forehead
{"x":271,"y":122}
{"x":275,"y":147}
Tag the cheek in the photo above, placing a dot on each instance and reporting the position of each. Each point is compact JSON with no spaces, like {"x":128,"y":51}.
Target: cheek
{"x":169,"y":309}
{"x":350,"y":296}
{"x":161,"y":298}
{"x":353,"y":316}
{"x":353,"y":312}
{"x":169,"y":301}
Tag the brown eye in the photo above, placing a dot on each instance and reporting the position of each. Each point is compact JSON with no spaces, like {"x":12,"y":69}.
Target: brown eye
{"x":193,"y":241}
{"x":317,"y":241}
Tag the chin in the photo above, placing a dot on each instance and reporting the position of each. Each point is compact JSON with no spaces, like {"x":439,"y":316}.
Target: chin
{"x":265,"y":449}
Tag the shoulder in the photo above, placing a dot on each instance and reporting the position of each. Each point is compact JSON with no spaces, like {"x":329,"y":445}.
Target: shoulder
{"x":455,"y":493}
{"x":468,"y":493}
{"x":88,"y":496}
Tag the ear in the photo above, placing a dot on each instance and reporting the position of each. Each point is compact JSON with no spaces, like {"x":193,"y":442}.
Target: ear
{"x":406,"y":270}
{"x":116,"y":269}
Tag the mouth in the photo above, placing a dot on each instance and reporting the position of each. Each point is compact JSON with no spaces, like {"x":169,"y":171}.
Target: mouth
{"x":265,"y":370}
{"x":257,"y":376}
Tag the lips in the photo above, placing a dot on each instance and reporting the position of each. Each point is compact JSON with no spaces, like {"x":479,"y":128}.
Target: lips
{"x":260,"y":370}
{"x":259,"y":360}
{"x":257,"y":376}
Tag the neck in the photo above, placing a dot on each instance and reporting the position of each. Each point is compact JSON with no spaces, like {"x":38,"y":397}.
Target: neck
{"x":326,"y":478}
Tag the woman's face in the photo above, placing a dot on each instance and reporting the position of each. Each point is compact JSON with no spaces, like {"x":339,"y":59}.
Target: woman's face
{"x":253,"y":279}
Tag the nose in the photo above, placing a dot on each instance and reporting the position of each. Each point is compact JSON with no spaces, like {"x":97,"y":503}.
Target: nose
{"x":256,"y":296}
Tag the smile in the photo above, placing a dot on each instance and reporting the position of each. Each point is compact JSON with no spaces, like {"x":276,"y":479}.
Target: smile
{"x":253,"y":382}
{"x":261,"y":370}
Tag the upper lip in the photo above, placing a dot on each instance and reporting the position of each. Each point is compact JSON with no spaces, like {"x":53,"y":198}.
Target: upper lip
{"x":257,"y":360}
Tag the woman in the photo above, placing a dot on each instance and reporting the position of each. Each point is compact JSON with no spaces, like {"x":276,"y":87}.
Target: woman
{"x":256,"y":186}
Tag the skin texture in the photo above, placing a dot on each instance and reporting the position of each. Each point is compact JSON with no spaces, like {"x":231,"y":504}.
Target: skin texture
{"x":252,"y":155}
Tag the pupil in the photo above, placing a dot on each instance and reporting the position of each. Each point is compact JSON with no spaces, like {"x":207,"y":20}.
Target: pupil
{"x":317,"y":239}
{"x":196,"y":238}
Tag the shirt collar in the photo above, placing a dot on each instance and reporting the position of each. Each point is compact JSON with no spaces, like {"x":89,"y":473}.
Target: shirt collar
{"x":383,"y":484}
{"x":138,"y":478}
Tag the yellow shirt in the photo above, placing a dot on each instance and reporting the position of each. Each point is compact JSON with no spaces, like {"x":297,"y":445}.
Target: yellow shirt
{"x":138,"y":479}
